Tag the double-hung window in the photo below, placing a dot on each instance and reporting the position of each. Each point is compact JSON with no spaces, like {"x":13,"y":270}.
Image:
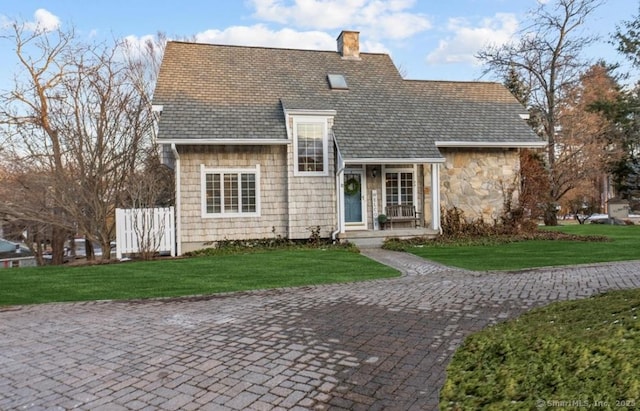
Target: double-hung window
{"x":230,"y":192}
{"x":399,"y":187}
{"x":310,"y":146}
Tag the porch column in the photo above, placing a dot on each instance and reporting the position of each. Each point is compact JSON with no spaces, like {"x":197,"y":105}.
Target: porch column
{"x":435,"y":196}
{"x":340,"y":195}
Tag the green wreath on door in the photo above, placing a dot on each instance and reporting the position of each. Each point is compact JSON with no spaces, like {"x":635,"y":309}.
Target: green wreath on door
{"x":351,"y":186}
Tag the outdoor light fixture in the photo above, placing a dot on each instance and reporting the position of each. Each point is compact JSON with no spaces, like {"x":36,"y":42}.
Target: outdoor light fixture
{"x":374,"y":172}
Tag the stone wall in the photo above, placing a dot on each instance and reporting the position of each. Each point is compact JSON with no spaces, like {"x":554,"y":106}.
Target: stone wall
{"x":476,"y":180}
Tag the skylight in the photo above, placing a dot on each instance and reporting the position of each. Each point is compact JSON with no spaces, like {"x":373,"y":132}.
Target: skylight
{"x":337,"y":82}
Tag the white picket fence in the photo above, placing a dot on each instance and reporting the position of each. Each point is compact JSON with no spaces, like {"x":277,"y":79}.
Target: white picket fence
{"x":145,"y":229}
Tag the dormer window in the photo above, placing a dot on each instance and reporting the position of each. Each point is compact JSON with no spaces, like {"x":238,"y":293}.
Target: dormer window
{"x":337,"y":82}
{"x":310,"y":146}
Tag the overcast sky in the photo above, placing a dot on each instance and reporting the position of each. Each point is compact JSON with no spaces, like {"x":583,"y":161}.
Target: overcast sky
{"x":427,"y":39}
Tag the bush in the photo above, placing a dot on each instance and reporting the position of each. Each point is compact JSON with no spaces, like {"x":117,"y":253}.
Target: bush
{"x":278,"y":242}
{"x":457,"y":230}
{"x":456,"y":225}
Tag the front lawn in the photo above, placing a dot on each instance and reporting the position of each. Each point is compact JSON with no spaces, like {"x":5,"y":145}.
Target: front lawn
{"x":625,"y":245}
{"x":567,"y":355}
{"x":188,"y":276}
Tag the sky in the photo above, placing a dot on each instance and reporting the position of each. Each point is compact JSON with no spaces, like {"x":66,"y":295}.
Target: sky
{"x":427,"y":39}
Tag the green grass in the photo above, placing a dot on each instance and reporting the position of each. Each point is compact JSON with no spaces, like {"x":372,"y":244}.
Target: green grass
{"x":568,"y":355}
{"x":625,"y":245}
{"x":189,"y":276}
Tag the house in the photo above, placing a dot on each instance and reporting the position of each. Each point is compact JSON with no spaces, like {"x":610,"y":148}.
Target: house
{"x":15,"y":255}
{"x":268,"y":141}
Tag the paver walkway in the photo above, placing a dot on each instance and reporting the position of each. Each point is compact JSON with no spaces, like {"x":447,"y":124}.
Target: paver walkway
{"x":374,"y":345}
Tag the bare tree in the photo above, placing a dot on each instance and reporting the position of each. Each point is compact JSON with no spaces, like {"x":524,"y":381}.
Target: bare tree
{"x":110,"y":133}
{"x":79,"y":114}
{"x":146,"y":189}
{"x":27,"y":200}
{"x":28,"y":114}
{"x":548,"y":58}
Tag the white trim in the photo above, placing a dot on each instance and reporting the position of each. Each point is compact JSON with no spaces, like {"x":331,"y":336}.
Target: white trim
{"x":203,"y":191}
{"x":435,"y":197}
{"x":325,"y":146}
{"x":492,"y":144}
{"x":393,"y":160}
{"x":226,"y":141}
{"x":341,"y":222}
{"x":304,"y":112}
{"x":9,"y":259}
{"x":417,"y":202}
{"x":414,"y":177}
{"x":524,"y":116}
{"x":339,"y":190}
{"x":362,"y":225}
{"x":178,"y":185}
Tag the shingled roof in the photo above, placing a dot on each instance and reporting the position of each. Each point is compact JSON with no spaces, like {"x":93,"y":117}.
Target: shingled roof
{"x":10,"y":249}
{"x":475,"y":113}
{"x":211,"y":92}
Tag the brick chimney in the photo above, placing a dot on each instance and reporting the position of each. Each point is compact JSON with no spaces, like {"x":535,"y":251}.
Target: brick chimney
{"x":349,"y":44}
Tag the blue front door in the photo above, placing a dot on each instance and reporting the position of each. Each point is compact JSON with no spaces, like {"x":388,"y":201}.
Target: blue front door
{"x":353,"y":197}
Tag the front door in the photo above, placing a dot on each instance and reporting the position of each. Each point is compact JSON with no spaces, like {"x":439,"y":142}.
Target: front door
{"x":354,"y":189}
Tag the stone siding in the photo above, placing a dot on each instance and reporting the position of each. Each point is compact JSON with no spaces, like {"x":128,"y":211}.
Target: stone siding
{"x":198,"y":232}
{"x":475,"y":180}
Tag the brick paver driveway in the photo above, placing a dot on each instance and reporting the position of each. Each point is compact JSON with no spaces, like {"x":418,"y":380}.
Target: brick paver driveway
{"x":373,"y":345}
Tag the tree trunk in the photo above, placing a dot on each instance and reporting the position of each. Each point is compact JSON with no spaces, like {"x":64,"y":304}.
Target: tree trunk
{"x":38,"y":250}
{"x":106,"y":250}
{"x":550,"y":215}
{"x":88,"y":248}
{"x":58,"y":237}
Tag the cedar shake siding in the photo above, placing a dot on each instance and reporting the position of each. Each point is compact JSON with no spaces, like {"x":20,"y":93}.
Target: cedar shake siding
{"x":199,"y":232}
{"x":287,"y":206}
{"x":312,"y":200}
{"x":249,"y":108}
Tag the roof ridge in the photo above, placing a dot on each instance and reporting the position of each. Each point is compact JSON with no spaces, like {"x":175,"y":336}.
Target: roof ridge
{"x":195,"y":43}
{"x":454,"y":81}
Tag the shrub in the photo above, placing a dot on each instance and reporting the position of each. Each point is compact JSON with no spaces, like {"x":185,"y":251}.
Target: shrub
{"x":278,"y":242}
{"x":456,"y":225}
{"x":457,"y":230}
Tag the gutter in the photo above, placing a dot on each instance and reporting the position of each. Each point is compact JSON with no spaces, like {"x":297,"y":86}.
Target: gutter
{"x":340,"y":202}
{"x":383,"y":160}
{"x":226,"y":141}
{"x":492,"y":144}
{"x":178,"y":200}
{"x":339,"y":191}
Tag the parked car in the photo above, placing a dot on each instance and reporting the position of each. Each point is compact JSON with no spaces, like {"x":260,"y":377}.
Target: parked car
{"x":80,"y":248}
{"x":598,"y":218}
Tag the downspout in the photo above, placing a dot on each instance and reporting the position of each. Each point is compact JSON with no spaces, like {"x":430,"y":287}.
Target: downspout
{"x":178,"y":200}
{"x":340,"y":202}
{"x":339,"y":191}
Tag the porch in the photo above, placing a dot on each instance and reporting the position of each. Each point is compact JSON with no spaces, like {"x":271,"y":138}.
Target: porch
{"x":375,"y":238}
{"x":407,"y":193}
